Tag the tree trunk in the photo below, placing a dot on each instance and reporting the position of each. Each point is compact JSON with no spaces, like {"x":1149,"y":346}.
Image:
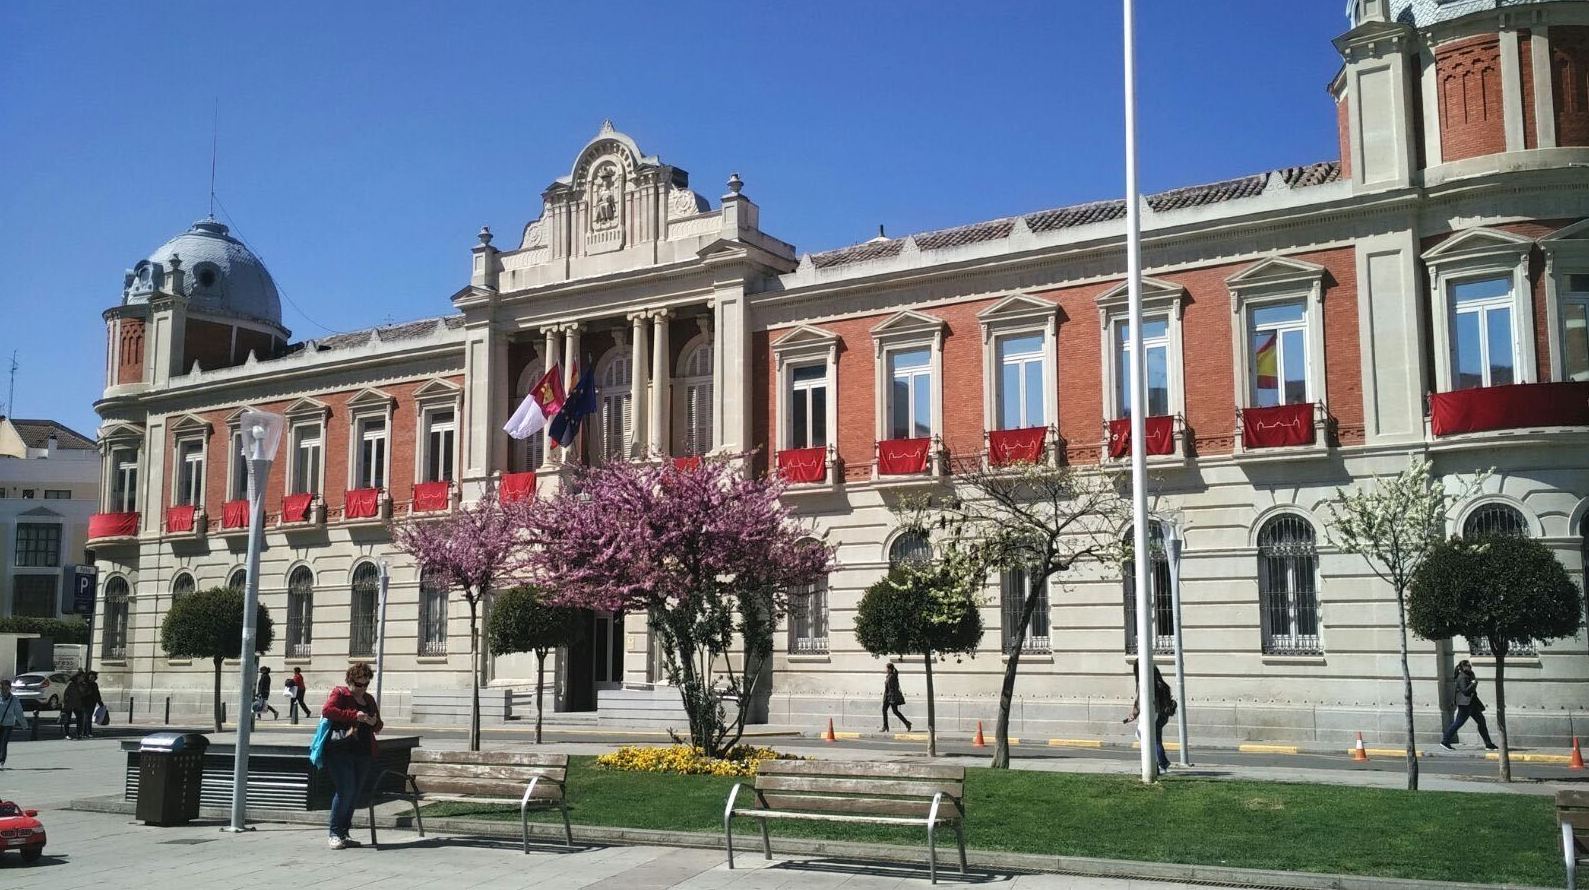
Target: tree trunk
{"x":1001,"y":729}
{"x":932,"y":712}
{"x":474,"y":677}
{"x":218,"y":719}
{"x":1500,"y":708}
{"x":1406,"y":687}
{"x":540,"y":682}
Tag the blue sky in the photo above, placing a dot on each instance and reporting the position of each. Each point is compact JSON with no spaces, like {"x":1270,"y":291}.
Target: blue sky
{"x":361,"y":146}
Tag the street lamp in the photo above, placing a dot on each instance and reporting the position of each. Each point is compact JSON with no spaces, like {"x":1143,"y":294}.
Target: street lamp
{"x":261,"y":435}
{"x":1172,"y":545}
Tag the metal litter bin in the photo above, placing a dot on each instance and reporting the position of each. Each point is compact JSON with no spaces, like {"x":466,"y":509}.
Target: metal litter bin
{"x":170,"y":772}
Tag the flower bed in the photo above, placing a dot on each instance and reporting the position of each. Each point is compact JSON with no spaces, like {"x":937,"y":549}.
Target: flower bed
{"x":687,"y":761}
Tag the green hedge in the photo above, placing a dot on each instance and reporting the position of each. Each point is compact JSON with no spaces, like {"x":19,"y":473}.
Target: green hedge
{"x":70,"y":630}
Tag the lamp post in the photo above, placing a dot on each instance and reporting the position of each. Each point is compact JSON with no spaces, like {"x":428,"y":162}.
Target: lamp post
{"x":384,"y":584}
{"x":1173,"y":546}
{"x":261,"y":434}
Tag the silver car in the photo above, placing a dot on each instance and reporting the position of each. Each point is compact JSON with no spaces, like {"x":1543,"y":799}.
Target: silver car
{"x":40,"y":692}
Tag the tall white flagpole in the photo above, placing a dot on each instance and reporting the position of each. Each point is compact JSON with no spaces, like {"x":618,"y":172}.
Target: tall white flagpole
{"x":1141,"y":558}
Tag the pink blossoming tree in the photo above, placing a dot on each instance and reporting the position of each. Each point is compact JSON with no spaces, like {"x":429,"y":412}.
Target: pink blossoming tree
{"x":709,"y":554}
{"x":475,"y":548}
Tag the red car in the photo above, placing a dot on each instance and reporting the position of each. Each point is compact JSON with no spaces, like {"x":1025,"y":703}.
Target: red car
{"x":21,"y":830}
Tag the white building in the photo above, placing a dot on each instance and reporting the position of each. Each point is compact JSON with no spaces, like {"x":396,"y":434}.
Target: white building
{"x":49,"y":487}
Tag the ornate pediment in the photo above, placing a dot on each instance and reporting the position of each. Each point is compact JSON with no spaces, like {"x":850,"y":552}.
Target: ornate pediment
{"x":1476,"y":243}
{"x":308,"y":409}
{"x":438,"y":390}
{"x":906,"y":322}
{"x":371,"y":398}
{"x":1156,"y":293}
{"x":189,"y":424}
{"x":1017,"y":307}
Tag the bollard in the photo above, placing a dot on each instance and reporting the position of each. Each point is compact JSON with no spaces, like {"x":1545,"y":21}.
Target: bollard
{"x":129,"y":710}
{"x":168,"y":711}
{"x":223,"y":713}
{"x":35,"y":724}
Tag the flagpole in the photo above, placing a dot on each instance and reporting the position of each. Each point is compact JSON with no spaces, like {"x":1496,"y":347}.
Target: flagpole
{"x":1147,"y":713}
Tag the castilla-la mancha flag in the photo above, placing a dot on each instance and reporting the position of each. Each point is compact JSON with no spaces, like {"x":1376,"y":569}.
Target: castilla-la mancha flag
{"x":541,"y":405}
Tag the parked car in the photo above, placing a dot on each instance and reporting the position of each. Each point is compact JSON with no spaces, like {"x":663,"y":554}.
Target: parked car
{"x":40,"y":691}
{"x":21,"y":830}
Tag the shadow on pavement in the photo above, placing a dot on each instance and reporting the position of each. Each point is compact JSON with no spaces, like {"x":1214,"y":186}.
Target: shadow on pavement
{"x":948,"y":870}
{"x":414,"y":842}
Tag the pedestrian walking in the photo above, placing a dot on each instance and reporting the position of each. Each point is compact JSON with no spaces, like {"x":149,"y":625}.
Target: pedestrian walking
{"x":1468,"y":705}
{"x":1163,"y":704}
{"x":262,"y":695}
{"x":93,"y":701}
{"x":350,"y":748}
{"x":11,"y":716}
{"x":299,"y":688}
{"x":892,"y":697}
{"x":72,"y":705}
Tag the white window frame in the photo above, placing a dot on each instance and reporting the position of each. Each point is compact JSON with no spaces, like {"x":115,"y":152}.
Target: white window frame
{"x":434,"y":398}
{"x":605,"y":446}
{"x":903,"y":332}
{"x":187,"y":472}
{"x":681,"y":387}
{"x":236,"y":464}
{"x":1270,"y":282}
{"x":1476,"y":254}
{"x":1159,"y":299}
{"x":363,"y":410}
{"x":1566,"y":255}
{"x":1019,"y":316}
{"x":805,"y":346}
{"x":305,"y":416}
{"x":122,"y":448}
{"x":125,"y":473}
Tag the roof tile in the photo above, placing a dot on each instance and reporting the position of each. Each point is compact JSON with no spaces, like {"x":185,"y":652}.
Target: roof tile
{"x":36,"y":434}
{"x":1212,"y":193}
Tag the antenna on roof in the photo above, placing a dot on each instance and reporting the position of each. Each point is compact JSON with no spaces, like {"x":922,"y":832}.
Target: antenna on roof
{"x":11,"y":393}
{"x":215,"y":127}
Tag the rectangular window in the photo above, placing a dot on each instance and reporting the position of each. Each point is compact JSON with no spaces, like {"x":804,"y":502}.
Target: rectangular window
{"x":1278,"y":342}
{"x":237,"y":485}
{"x":1483,"y":340}
{"x":124,"y":487}
{"x":808,"y":619}
{"x":372,"y":453}
{"x":808,"y":406}
{"x":438,"y":447}
{"x":910,"y":394}
{"x":57,"y":494}
{"x":305,"y":460}
{"x":432,"y":617}
{"x":1012,"y":599}
{"x":1156,"y":357}
{"x":38,"y":544}
{"x":33,"y":596}
{"x":190,"y":473}
{"x":1575,"y":328}
{"x":1020,"y":395}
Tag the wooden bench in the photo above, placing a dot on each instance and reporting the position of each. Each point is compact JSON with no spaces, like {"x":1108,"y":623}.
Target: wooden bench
{"x":918,"y":794}
{"x":533,"y":781}
{"x":1572,"y":812}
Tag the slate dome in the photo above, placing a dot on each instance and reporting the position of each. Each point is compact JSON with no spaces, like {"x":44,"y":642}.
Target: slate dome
{"x":220,"y":276}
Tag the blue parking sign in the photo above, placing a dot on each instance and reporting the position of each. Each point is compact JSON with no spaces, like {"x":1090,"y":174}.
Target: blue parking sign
{"x":85,"y":581}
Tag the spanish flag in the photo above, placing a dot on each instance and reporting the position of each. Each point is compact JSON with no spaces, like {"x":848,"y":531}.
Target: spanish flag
{"x":545,"y":399}
{"x":1266,"y":362}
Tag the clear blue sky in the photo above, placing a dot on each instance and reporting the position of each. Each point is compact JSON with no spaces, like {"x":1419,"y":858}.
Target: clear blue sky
{"x":363,"y":145}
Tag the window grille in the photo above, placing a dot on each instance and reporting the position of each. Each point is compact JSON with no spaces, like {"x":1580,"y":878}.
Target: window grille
{"x":1288,"y":563}
{"x":300,"y":609}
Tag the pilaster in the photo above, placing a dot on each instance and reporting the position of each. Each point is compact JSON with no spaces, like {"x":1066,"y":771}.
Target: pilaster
{"x":640,"y":385}
{"x":657,"y":421}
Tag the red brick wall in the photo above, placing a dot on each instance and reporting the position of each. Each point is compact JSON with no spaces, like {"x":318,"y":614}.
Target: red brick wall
{"x":130,"y":366}
{"x":1343,"y":130}
{"x":1469,"y":76}
{"x":1530,"y":127}
{"x":1569,"y":65}
{"x":208,"y":343}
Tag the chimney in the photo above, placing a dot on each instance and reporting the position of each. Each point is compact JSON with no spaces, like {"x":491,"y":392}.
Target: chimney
{"x":50,"y":445}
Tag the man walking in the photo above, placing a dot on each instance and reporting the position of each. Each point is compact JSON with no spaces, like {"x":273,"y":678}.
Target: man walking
{"x":298,"y":691}
{"x":262,"y":695}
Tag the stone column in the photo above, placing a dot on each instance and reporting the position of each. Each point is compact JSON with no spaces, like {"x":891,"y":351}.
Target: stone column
{"x":553,"y":354}
{"x":574,"y":367}
{"x":661,"y":390}
{"x":639,"y":386}
{"x":731,"y":377}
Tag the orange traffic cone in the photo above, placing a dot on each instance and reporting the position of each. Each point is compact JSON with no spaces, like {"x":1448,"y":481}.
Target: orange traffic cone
{"x":978,"y":741}
{"x":829,"y":736}
{"x":1577,"y":756}
{"x":1359,"y":752}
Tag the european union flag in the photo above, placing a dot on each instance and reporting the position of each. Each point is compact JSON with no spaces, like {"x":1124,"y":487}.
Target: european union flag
{"x":581,"y":403}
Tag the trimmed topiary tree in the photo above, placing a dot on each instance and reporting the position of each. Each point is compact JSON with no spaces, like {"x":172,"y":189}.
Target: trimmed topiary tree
{"x":928,"y":609}
{"x":1502,"y":589}
{"x":209,"y":624}
{"x":522,"y":620}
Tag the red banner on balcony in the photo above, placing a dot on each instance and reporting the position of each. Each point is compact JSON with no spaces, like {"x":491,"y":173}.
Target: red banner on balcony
{"x":431,"y":496}
{"x":1519,"y":406}
{"x":362,"y":503}
{"x":1006,"y":447}
{"x":799,"y":466}
{"x":295,"y":507}
{"x":901,"y":457}
{"x":180,"y":519}
{"x":687,"y":464}
{"x":1160,"y":433}
{"x":516,"y":487}
{"x":112,"y":525}
{"x":1278,"y":426}
{"x":234,"y":514}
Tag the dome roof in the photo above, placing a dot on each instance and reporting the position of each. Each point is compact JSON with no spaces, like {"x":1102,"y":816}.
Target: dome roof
{"x":220,"y":276}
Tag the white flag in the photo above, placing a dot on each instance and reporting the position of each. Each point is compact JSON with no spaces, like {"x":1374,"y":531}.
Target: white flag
{"x":527,"y":420}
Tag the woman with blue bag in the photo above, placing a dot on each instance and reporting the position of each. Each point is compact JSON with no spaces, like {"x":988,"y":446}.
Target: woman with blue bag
{"x":344,"y":745}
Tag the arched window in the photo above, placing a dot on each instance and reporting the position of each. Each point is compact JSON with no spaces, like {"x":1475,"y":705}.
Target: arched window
{"x":1495,"y":518}
{"x":238,"y":579}
{"x":115,"y":633}
{"x":694,"y":386}
{"x":366,"y":588}
{"x":1288,"y":564}
{"x":300,"y":611}
{"x":181,"y":586}
{"x":1163,"y":604}
{"x":808,"y":619}
{"x":614,"y":379}
{"x":910,"y":546}
{"x":1012,"y":600}
{"x":531,"y":451}
{"x":432,"y":614}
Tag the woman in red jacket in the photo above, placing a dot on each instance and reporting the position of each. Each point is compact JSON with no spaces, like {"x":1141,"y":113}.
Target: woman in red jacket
{"x":350,"y":751}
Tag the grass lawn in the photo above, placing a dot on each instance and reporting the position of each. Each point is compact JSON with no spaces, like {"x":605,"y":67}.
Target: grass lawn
{"x":1441,"y":836}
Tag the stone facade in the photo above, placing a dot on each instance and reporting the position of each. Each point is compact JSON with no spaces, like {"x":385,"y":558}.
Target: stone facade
{"x":1333,"y":301}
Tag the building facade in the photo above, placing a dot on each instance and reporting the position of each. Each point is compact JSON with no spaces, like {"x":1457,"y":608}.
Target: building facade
{"x":49,"y":488}
{"x":1317,"y":326}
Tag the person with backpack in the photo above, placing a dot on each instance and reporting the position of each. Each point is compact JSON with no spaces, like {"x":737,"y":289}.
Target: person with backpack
{"x":1164,"y":704}
{"x":347,"y":747}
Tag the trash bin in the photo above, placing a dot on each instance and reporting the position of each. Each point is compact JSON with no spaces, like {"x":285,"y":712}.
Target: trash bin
{"x":170,"y":772}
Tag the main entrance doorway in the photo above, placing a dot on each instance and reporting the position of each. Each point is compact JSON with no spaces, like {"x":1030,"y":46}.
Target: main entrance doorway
{"x":595,"y":661}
